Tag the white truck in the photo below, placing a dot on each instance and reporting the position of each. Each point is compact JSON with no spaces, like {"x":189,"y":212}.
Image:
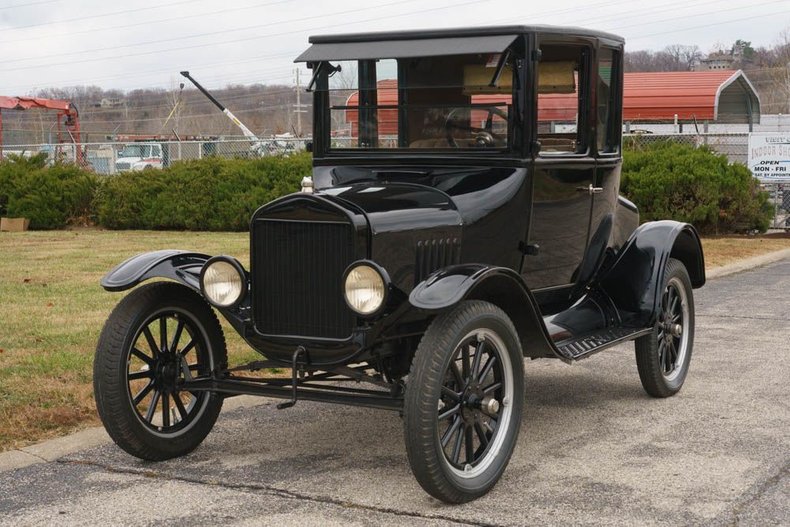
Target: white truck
{"x":139,"y":156}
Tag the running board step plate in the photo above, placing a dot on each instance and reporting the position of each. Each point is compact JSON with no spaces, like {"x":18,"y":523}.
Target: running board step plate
{"x":586,"y":345}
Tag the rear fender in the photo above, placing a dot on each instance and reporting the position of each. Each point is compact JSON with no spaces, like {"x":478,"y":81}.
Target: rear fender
{"x":634,"y":279}
{"x":182,"y":266}
{"x":502,"y":287}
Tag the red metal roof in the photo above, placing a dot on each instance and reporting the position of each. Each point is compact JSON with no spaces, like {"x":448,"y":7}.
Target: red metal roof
{"x":655,"y":96}
{"x":658,"y":96}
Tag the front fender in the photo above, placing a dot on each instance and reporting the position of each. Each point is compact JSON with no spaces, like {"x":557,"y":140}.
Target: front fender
{"x":182,"y":266}
{"x":502,"y":287}
{"x":634,"y":279}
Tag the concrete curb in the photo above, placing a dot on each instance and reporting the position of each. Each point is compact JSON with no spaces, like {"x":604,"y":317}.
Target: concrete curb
{"x":747,"y":264}
{"x":56,"y":448}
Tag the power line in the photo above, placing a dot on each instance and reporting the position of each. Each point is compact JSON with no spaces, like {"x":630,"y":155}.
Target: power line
{"x":150,"y":73}
{"x":86,"y":114}
{"x":146,"y":23}
{"x":210,"y":33}
{"x":155,"y":72}
{"x":750,"y":6}
{"x":236,"y":98}
{"x":102,"y":15}
{"x":16,"y":6}
{"x":233,"y":41}
{"x":710,"y":25}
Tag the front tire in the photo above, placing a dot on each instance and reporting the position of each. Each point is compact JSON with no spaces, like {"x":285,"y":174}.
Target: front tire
{"x":156,"y":336}
{"x":463,"y":402}
{"x":663,"y":356}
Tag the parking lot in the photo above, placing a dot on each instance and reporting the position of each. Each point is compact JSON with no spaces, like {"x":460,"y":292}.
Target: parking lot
{"x":593,"y":449}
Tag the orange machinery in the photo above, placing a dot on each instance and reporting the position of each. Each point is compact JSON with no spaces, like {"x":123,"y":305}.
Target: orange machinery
{"x":68,"y":118}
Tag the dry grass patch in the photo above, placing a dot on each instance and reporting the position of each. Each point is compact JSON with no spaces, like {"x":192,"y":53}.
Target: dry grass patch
{"x":53,"y":310}
{"x":722,"y":251}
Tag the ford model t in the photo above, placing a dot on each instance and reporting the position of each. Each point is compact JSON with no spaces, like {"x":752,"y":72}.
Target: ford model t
{"x":464,"y":215}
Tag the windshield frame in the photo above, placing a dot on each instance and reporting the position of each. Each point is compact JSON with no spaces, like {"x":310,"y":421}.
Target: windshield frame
{"x":323,"y":109}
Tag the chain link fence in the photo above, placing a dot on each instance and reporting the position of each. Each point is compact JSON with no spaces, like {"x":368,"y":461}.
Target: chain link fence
{"x":780,"y":198}
{"x":733,"y":145}
{"x":112,"y":158}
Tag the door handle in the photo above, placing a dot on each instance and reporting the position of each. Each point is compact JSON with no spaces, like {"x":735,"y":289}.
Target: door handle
{"x":590,"y":189}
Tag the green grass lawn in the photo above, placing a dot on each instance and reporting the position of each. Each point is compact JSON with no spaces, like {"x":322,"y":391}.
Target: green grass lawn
{"x":53,"y":310}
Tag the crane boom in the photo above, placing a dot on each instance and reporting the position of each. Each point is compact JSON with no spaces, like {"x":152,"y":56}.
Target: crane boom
{"x":246,"y":131}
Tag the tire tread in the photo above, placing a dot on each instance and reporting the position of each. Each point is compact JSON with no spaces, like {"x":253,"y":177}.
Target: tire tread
{"x":419,"y":411}
{"x":110,"y":393}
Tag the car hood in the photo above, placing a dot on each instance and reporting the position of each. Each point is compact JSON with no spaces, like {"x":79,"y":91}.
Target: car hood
{"x":392,"y":207}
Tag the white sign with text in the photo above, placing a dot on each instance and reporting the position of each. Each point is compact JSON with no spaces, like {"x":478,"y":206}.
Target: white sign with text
{"x":769,"y":156}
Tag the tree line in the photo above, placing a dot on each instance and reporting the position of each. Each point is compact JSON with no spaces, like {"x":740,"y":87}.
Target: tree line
{"x":270,"y":109}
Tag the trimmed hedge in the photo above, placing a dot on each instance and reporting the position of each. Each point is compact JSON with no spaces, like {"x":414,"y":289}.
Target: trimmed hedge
{"x":668,"y":180}
{"x":50,"y":196}
{"x":212,"y":194}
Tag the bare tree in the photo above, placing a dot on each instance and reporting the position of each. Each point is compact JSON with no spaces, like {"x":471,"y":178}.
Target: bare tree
{"x":683,"y":57}
{"x":675,"y":57}
{"x":781,"y":69}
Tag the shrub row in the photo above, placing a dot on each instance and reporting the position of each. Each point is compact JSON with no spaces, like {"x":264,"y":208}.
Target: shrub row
{"x":212,"y":194}
{"x":665,"y":180}
{"x":50,"y":196}
{"x":668,"y":180}
{"x":208,"y":194}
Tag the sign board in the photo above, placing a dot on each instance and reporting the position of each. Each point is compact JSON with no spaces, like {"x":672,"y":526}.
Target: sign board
{"x":769,"y":156}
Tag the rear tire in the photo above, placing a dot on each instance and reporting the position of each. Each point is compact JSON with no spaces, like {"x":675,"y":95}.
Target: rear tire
{"x":463,"y":402}
{"x":152,"y":336}
{"x":663,"y":356}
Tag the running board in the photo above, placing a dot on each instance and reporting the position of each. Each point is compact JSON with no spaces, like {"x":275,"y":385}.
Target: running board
{"x":585,"y":345}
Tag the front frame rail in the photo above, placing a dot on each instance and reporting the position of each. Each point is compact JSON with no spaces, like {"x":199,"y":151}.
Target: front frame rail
{"x":322,"y":386}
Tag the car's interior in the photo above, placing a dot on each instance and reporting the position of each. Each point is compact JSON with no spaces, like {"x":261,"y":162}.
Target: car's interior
{"x":562,"y":71}
{"x":450,"y":102}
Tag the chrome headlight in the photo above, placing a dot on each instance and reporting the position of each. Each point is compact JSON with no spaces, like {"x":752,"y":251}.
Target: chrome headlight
{"x":222,"y":281}
{"x":365,"y":287}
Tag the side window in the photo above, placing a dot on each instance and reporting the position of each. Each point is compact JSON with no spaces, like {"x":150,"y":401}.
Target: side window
{"x":608,"y":129}
{"x":563,"y":98}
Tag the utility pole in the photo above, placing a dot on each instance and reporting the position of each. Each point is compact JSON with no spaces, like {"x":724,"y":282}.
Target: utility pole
{"x":299,"y":107}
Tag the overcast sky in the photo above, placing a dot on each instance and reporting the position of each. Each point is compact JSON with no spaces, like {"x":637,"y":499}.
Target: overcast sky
{"x":145,"y":43}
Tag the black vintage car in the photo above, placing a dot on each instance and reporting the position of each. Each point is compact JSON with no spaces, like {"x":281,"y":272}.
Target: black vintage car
{"x":463,"y":214}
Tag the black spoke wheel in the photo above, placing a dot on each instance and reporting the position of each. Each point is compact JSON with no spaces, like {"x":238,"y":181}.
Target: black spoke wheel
{"x":158,"y":336}
{"x":663,"y":356}
{"x":463,"y":403}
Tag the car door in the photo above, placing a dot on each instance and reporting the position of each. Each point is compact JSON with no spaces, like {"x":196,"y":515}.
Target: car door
{"x":609,"y":157}
{"x":563,"y":167}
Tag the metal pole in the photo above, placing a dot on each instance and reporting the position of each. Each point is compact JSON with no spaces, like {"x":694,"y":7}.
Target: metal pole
{"x":777,"y":203}
{"x":298,"y":105}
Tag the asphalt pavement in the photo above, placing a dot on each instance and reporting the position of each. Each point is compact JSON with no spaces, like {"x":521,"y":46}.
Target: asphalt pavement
{"x":593,"y":449}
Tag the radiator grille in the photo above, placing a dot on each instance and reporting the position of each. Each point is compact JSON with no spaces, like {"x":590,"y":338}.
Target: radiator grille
{"x":297,"y":271}
{"x":435,"y":254}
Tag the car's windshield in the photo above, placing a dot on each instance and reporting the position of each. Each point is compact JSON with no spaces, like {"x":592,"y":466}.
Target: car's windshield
{"x":136,"y":151}
{"x":450,"y":102}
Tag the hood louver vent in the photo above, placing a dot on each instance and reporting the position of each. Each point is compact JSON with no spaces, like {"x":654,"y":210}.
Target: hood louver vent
{"x":435,"y":254}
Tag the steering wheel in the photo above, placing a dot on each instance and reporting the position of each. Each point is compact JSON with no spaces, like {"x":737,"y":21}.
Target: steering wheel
{"x":483,"y":137}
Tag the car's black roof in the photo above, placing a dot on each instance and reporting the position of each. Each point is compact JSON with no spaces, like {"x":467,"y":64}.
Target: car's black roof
{"x":463,"y":32}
